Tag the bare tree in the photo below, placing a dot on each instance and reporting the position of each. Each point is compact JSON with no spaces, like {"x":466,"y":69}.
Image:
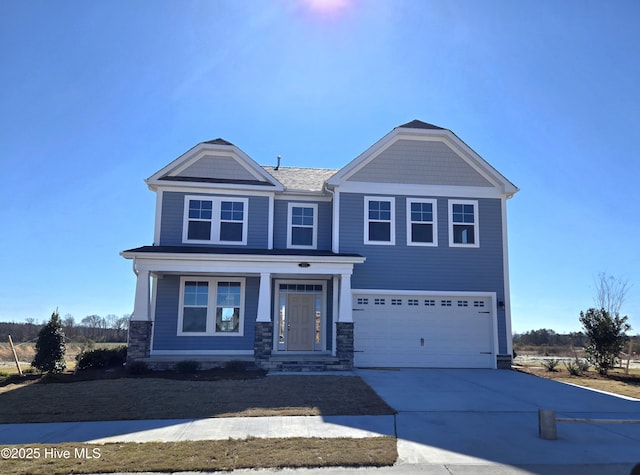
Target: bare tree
{"x":94,"y":322}
{"x":611,"y":292}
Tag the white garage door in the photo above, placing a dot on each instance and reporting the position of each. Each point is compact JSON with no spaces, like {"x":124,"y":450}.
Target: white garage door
{"x":423,"y":331}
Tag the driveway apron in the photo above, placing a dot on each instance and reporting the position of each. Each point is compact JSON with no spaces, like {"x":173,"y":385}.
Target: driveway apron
{"x":491,"y":416}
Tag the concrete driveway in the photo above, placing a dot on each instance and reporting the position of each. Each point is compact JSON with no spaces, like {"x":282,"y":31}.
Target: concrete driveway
{"x":481,"y":417}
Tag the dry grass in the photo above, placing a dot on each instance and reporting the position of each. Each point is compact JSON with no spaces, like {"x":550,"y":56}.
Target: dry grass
{"x":207,"y":455}
{"x":158,"y":398}
{"x":617,"y":382}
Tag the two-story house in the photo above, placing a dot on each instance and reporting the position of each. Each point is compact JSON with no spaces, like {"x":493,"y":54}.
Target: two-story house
{"x":399,"y":259}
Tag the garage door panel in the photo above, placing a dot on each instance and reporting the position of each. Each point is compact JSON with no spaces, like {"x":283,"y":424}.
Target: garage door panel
{"x":418,"y":331}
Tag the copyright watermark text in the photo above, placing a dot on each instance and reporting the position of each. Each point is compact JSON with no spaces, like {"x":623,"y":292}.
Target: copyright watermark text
{"x":49,"y":453}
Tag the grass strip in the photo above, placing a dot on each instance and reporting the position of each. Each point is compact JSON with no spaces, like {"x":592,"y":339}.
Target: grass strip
{"x":205,"y":455}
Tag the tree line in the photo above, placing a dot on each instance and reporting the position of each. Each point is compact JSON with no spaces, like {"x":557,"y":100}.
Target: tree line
{"x":92,"y":327}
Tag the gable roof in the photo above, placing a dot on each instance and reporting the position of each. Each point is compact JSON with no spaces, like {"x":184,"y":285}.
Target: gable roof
{"x":417,"y":130}
{"x":301,"y":179}
{"x":237,"y":169}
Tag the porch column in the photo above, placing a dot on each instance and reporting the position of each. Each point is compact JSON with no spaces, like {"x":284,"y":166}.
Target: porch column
{"x":345,"y":314}
{"x":139,"y":335}
{"x":141,"y":304}
{"x":264,"y":298}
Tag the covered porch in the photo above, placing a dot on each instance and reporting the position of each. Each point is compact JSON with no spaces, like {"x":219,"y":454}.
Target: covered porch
{"x":296,"y":311}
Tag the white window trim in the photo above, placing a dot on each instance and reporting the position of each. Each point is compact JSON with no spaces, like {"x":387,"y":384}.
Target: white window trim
{"x":434,"y":222}
{"x":392,"y":233}
{"x":476,"y":227}
{"x":211,"y":306}
{"x":215,"y":219}
{"x":314,"y":243}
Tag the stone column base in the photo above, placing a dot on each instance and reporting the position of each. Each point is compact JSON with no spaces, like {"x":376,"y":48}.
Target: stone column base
{"x":263,"y":344}
{"x":139,"y":340}
{"x":344,"y":344}
{"x":503,"y":361}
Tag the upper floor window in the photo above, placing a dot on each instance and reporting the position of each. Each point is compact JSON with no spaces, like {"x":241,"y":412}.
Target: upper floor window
{"x":211,"y":306}
{"x":209,"y":220}
{"x":421,"y":222}
{"x":463,"y":223}
{"x":302,"y":228}
{"x":379,"y":220}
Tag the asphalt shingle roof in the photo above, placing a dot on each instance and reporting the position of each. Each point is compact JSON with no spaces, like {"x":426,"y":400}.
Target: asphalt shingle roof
{"x":300,"y":179}
{"x":418,"y":124}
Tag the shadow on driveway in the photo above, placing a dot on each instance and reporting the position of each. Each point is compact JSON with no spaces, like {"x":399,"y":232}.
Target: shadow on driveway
{"x":480,"y":416}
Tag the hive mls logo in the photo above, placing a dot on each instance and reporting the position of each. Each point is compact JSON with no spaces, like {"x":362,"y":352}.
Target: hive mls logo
{"x":86,"y":453}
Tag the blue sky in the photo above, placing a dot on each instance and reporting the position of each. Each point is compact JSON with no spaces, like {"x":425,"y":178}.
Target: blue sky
{"x":97,"y":96}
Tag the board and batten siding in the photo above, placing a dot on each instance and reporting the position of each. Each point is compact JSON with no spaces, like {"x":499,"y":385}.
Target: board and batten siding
{"x":281,"y":220}
{"x":423,"y":162}
{"x":173,"y":218}
{"x":441,"y":268}
{"x":165,"y":327}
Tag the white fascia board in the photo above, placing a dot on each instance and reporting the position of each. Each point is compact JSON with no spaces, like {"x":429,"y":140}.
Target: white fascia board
{"x":203,"y":149}
{"x":400,"y":189}
{"x":222,"y":263}
{"x":216,"y":189}
{"x":458,"y":146}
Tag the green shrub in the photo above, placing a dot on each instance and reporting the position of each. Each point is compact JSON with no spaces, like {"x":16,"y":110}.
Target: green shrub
{"x":138,"y":368}
{"x":573,"y":368}
{"x":103,"y":358}
{"x":551,"y":364}
{"x":187,"y":367}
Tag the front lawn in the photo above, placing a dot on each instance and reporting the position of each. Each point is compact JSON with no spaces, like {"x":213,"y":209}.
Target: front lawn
{"x":204,"y":455}
{"x":152,"y":397}
{"x":617,"y":382}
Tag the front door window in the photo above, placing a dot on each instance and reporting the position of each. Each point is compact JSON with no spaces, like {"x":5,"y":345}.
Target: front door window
{"x":300,"y":317}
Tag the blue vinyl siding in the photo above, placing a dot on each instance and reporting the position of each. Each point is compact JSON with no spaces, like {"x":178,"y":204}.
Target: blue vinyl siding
{"x":173,"y":214}
{"x":165,"y":327}
{"x":280,"y":223}
{"x":402,"y":267}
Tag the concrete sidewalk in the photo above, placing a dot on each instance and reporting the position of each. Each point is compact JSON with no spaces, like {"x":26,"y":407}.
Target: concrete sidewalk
{"x":198,"y":429}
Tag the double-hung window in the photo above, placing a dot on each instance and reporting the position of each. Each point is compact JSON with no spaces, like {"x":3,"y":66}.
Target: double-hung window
{"x":302,"y":229}
{"x":463,"y":223}
{"x":379,"y":220}
{"x":421,"y":222}
{"x":214,"y":220}
{"x":211,"y":306}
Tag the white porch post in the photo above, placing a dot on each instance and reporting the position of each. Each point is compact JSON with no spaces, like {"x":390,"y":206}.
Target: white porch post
{"x":345,"y":313}
{"x":141,"y":305}
{"x":264,"y":298}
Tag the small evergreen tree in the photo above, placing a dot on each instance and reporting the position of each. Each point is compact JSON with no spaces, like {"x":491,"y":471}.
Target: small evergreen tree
{"x":607,"y":336}
{"x":50,"y":347}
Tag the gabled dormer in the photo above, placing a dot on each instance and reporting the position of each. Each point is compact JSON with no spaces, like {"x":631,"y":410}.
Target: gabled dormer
{"x":214,"y":164}
{"x":422,"y":158}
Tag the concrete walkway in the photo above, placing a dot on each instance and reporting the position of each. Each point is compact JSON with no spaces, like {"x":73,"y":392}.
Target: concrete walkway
{"x":197,"y":429}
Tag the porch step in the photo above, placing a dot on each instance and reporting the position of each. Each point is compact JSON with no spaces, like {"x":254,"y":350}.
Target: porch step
{"x":302,"y":367}
{"x":318,"y":364}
